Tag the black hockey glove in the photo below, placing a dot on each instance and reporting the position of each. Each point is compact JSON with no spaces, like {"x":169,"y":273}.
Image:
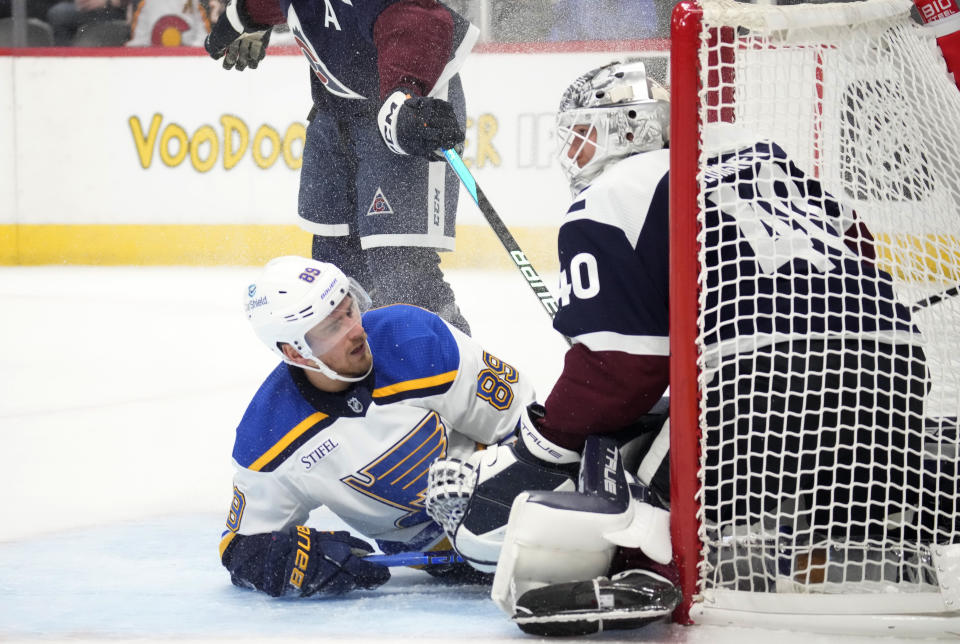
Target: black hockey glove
{"x":305,"y":562}
{"x":418,"y":125}
{"x":240,"y":45}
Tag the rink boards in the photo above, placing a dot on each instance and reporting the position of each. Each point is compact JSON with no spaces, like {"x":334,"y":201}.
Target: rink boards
{"x":133,"y":156}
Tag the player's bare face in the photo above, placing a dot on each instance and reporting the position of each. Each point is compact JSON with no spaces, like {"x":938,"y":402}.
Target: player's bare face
{"x":584,"y":145}
{"x":340,"y":341}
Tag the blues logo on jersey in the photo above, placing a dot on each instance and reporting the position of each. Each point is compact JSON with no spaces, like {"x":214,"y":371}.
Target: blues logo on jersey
{"x":399,"y":477}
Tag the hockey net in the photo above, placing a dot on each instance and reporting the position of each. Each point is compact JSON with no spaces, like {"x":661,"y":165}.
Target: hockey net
{"x":815,"y":374}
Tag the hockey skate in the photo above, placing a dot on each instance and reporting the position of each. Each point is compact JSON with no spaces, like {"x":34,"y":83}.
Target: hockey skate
{"x":629,"y":599}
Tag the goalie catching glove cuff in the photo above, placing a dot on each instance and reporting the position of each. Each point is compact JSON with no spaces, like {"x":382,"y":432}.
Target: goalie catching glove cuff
{"x":418,"y":125}
{"x":302,"y":561}
{"x":536,"y":445}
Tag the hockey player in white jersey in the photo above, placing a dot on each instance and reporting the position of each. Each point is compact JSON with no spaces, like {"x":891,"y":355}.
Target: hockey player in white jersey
{"x":351,"y":420}
{"x":613,"y":126}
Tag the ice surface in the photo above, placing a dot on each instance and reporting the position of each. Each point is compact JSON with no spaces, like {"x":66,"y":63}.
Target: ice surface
{"x":121,"y":389}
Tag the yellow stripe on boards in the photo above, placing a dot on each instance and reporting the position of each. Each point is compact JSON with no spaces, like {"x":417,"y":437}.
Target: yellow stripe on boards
{"x":284,"y":442}
{"x":919,"y":258}
{"x":149,"y":245}
{"x":913,"y":258}
{"x":234,"y":245}
{"x":419,"y":383}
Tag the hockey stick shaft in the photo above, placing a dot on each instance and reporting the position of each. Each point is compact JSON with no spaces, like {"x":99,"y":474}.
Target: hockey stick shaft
{"x":534,"y":281}
{"x":933,"y":299}
{"x":438,"y":558}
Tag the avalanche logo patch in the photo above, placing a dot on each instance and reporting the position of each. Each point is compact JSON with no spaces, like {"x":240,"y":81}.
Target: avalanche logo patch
{"x":379,"y":205}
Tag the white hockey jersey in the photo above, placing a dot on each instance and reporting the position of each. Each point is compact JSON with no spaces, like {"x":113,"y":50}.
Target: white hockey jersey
{"x":364,"y":453}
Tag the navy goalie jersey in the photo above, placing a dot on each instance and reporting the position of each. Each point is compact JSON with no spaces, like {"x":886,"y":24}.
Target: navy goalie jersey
{"x":614,"y":260}
{"x":780,"y":262}
{"x":784,"y":259}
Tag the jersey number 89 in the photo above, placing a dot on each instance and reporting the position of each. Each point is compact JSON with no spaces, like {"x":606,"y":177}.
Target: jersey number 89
{"x":493,"y":383}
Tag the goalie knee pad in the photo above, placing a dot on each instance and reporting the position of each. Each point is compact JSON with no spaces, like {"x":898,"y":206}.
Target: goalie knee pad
{"x":627,"y":600}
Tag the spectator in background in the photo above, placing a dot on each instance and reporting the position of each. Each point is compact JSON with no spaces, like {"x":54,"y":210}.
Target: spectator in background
{"x":605,"y":20}
{"x":35,"y":8}
{"x":69,"y":16}
{"x":170,"y":23}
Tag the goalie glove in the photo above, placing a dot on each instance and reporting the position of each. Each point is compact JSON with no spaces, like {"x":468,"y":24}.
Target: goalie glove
{"x":240,"y":45}
{"x":471,"y":499}
{"x":418,"y":125}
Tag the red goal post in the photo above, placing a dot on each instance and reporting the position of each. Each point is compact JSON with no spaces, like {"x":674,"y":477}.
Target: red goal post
{"x":858,"y":97}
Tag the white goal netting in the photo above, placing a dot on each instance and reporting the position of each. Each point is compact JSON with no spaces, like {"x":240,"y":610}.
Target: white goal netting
{"x":829,"y":343}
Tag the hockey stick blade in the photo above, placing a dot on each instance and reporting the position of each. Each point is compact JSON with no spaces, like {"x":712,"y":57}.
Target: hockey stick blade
{"x":438,"y":558}
{"x":534,"y":281}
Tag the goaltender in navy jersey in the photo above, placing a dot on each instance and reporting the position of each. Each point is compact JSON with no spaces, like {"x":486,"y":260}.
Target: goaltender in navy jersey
{"x":614,"y":279}
{"x":365,"y":452}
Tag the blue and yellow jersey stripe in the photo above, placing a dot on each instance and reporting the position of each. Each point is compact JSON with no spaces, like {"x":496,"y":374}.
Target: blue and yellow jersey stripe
{"x":414,"y":353}
{"x":309,"y":426}
{"x":418,"y":386}
{"x":277,"y":423}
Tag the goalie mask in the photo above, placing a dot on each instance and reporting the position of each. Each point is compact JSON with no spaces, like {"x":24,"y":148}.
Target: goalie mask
{"x":307,"y":304}
{"x":608,"y":114}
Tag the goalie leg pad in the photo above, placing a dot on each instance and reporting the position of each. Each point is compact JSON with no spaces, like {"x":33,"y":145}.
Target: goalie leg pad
{"x":628,"y":600}
{"x":471,"y":500}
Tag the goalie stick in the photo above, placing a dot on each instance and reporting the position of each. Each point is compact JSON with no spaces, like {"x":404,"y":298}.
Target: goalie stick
{"x":534,"y":281}
{"x":437,"y":558}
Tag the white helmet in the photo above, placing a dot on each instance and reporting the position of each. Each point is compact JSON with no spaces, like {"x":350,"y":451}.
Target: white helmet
{"x":293,"y":297}
{"x":628,"y":112}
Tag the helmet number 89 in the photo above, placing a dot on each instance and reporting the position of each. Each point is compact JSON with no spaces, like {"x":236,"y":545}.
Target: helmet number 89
{"x":309,"y":274}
